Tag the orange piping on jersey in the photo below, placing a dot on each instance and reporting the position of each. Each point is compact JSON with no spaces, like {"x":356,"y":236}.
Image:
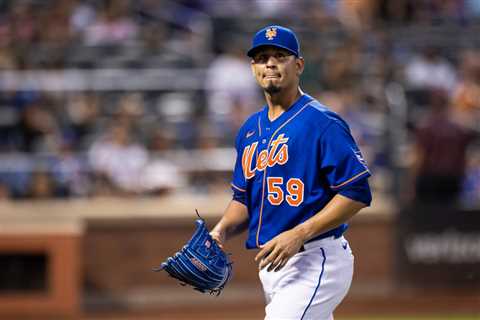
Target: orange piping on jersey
{"x":239,"y":189}
{"x":352,"y":178}
{"x":259,"y":132}
{"x":265,"y":171}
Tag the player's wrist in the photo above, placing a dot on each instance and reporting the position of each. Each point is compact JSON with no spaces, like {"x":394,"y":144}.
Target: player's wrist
{"x":219,"y":232}
{"x":302,"y":232}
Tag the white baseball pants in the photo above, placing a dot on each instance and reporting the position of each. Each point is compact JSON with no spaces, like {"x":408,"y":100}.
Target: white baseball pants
{"x":312,"y":283}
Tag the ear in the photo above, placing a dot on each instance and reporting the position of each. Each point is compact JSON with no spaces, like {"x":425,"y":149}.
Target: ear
{"x":300,"y":65}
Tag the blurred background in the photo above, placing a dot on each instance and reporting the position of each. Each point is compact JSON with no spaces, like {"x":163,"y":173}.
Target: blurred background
{"x":118,"y":119}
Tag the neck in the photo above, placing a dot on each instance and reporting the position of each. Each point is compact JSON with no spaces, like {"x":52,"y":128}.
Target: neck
{"x":281,"y":101}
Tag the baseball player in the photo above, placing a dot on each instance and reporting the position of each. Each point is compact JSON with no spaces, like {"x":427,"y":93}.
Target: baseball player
{"x":299,"y":177}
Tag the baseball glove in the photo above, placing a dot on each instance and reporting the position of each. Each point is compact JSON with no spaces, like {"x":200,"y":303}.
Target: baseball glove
{"x":200,"y":263}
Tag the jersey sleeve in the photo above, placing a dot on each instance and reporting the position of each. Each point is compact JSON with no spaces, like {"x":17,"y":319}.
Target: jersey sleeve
{"x":359,"y":191}
{"x":341,"y":159}
{"x":238,"y":184}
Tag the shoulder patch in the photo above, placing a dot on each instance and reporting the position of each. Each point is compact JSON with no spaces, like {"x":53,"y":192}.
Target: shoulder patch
{"x":359,"y":156}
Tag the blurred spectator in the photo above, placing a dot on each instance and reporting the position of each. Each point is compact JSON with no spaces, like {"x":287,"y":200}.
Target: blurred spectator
{"x":7,"y":58}
{"x":22,"y":23}
{"x":467,"y":94}
{"x":356,"y":16}
{"x":130,"y":108}
{"x":276,"y":9}
{"x":180,"y":33}
{"x":122,"y":166}
{"x":162,"y":139}
{"x":429,"y":70}
{"x":472,"y":9}
{"x":177,"y":112}
{"x":81,"y":111}
{"x":162,"y":175}
{"x":53,"y":38}
{"x":55,"y":21}
{"x":41,"y":185}
{"x":155,"y":38}
{"x":69,"y":173}
{"x":9,"y":117}
{"x":440,"y":154}
{"x":341,"y":66}
{"x":15,"y":176}
{"x":231,"y":89}
{"x":209,"y":137}
{"x":83,"y":15}
{"x":118,"y":161}
{"x":113,"y":25}
{"x":7,"y":61}
{"x":38,"y":128}
{"x":471,"y":186}
{"x":392,"y":12}
{"x":408,"y":12}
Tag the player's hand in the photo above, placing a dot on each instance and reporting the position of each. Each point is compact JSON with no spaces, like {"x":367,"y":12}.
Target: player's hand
{"x":219,"y":237}
{"x":276,"y":252}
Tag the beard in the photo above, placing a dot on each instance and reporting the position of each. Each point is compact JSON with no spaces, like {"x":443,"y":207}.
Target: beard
{"x":272,"y":89}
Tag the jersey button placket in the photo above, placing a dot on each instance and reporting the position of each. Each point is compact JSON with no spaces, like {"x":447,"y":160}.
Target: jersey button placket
{"x":262,"y":177}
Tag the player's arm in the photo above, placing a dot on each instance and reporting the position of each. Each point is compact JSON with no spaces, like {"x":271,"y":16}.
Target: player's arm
{"x":234,"y":221}
{"x":235,"y":216}
{"x":338,"y":211}
{"x":280,"y":249}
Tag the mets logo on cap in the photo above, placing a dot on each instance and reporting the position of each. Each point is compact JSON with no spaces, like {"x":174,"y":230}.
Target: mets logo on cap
{"x":271,"y":33}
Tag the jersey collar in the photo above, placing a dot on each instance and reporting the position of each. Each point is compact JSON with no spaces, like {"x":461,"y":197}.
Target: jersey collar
{"x":297,"y":105}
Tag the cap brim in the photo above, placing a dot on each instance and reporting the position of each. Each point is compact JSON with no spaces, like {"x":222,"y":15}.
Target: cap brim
{"x":253,"y":50}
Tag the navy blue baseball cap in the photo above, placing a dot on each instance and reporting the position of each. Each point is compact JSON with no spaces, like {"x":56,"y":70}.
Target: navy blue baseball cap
{"x":276,"y":36}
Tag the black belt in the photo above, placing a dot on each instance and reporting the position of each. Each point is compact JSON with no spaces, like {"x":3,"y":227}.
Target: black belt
{"x":333,"y":233}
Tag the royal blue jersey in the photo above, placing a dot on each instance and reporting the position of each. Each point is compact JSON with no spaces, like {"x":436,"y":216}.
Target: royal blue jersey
{"x":288,"y":169}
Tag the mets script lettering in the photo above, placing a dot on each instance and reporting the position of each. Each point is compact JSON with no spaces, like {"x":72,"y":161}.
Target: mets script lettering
{"x":278,"y":154}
